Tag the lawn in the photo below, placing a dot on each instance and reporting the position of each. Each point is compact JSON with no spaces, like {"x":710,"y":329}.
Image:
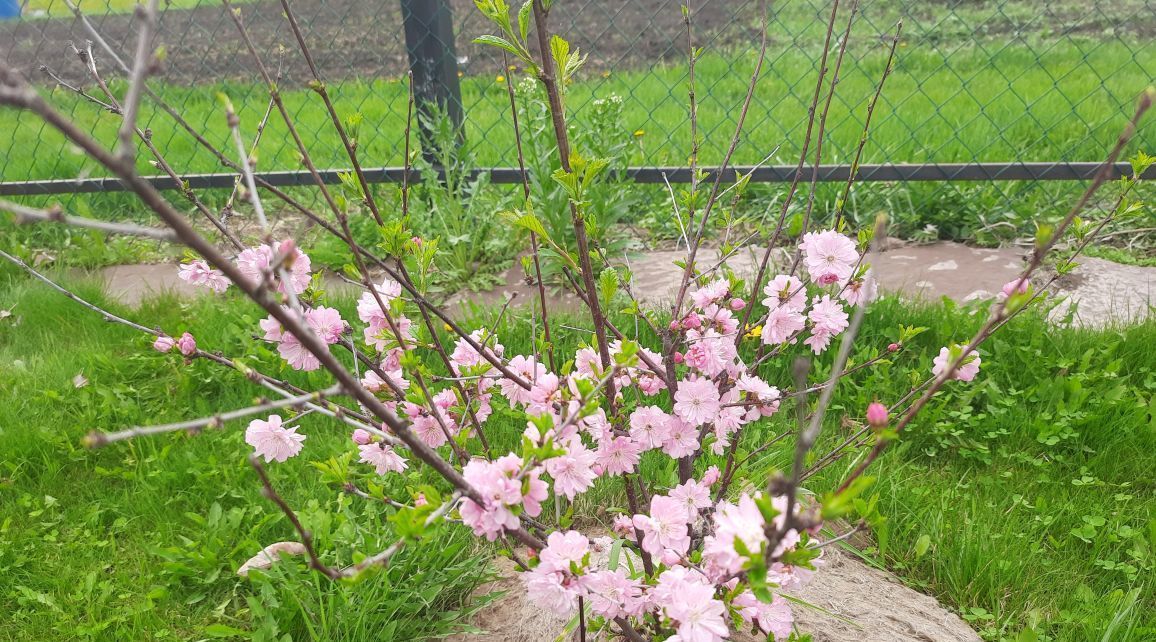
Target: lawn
{"x":1023,"y":500}
{"x":59,"y":9}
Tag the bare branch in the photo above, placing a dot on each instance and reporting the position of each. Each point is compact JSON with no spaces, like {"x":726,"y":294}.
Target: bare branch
{"x":55,"y":215}
{"x":146,"y":15}
{"x":97,"y":439}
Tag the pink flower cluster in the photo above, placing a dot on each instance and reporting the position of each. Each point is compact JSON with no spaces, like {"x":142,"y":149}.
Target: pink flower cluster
{"x":506,"y":491}
{"x":326,"y":323}
{"x":832,"y":262}
{"x":692,"y":599}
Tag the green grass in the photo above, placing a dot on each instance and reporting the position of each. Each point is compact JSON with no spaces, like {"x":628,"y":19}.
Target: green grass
{"x":1023,"y":500}
{"x":58,"y":9}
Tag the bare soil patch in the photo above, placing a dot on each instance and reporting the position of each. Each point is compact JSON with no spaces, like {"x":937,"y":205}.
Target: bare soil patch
{"x":358,"y":39}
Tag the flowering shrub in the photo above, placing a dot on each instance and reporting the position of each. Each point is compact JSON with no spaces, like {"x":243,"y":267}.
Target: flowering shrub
{"x":701,"y":560}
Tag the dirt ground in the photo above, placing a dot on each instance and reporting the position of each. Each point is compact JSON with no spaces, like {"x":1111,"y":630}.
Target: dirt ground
{"x":359,"y":39}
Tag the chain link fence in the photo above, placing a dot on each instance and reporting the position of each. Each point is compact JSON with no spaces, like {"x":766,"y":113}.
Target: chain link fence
{"x":975,"y":81}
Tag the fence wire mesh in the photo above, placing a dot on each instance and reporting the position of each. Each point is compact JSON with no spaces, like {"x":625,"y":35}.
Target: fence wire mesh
{"x":974,"y":81}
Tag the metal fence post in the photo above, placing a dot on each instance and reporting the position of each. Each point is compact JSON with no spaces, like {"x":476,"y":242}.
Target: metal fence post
{"x":429,"y":42}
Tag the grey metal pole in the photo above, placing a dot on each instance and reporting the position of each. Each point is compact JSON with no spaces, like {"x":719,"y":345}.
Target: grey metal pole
{"x":429,"y":41}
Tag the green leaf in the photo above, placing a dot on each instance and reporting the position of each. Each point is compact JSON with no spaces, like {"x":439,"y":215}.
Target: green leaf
{"x":608,"y":284}
{"x":500,"y":43}
{"x":922,"y":545}
{"x":615,"y":551}
{"x":524,"y":19}
{"x":223,"y":631}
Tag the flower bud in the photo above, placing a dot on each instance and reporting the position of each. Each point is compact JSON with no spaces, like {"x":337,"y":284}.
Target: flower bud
{"x":1010,"y":288}
{"x":877,"y":415}
{"x":420,"y":500}
{"x":738,"y":304}
{"x":164,"y":343}
{"x":711,"y":476}
{"x":894,"y":347}
{"x":828,"y":279}
{"x":674,"y":326}
{"x":692,"y":322}
{"x":362,"y":437}
{"x":678,"y":358}
{"x":187,"y":344}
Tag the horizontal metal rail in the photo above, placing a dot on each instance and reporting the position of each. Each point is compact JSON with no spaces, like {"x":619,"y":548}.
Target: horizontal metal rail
{"x":508,"y":175}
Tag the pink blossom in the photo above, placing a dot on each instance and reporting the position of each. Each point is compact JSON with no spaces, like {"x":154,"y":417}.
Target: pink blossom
{"x":187,"y":344}
{"x":665,"y":527}
{"x":573,"y":472}
{"x":326,"y":323}
{"x":367,"y":308}
{"x":681,"y":438}
{"x":374,"y":383}
{"x":254,"y":261}
{"x":947,"y":356}
{"x":499,"y":492}
{"x":588,"y":363}
{"x":529,"y":370}
{"x":425,"y":425}
{"x":818,"y":341}
{"x":536,"y":492}
{"x":382,"y":457}
{"x":759,"y":390}
{"x":623,"y":526}
{"x":272,"y":328}
{"x":649,"y":426}
{"x":465,"y":356}
{"x":710,"y":293}
{"x":829,"y":253}
{"x":710,"y":352}
{"x":199,"y":273}
{"x":785,"y":291}
{"x":693,"y":496}
{"x":651,"y":385}
{"x":164,"y":343}
{"x":737,"y":304}
{"x":743,"y":521}
{"x":782,"y":324}
{"x":612,"y":594}
{"x":554,"y":591}
{"x":700,"y":617}
{"x":861,"y":291}
{"x":828,"y":316}
{"x":692,"y":321}
{"x":361,"y":437}
{"x":384,"y":339}
{"x":711,"y":476}
{"x":877,"y":415}
{"x":697,"y":401}
{"x":618,"y":455}
{"x":563,"y":550}
{"x":1016,"y":286}
{"x":544,"y":394}
{"x":273,"y":441}
{"x":296,"y":354}
{"x":673,"y":581}
{"x":772,"y":619}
